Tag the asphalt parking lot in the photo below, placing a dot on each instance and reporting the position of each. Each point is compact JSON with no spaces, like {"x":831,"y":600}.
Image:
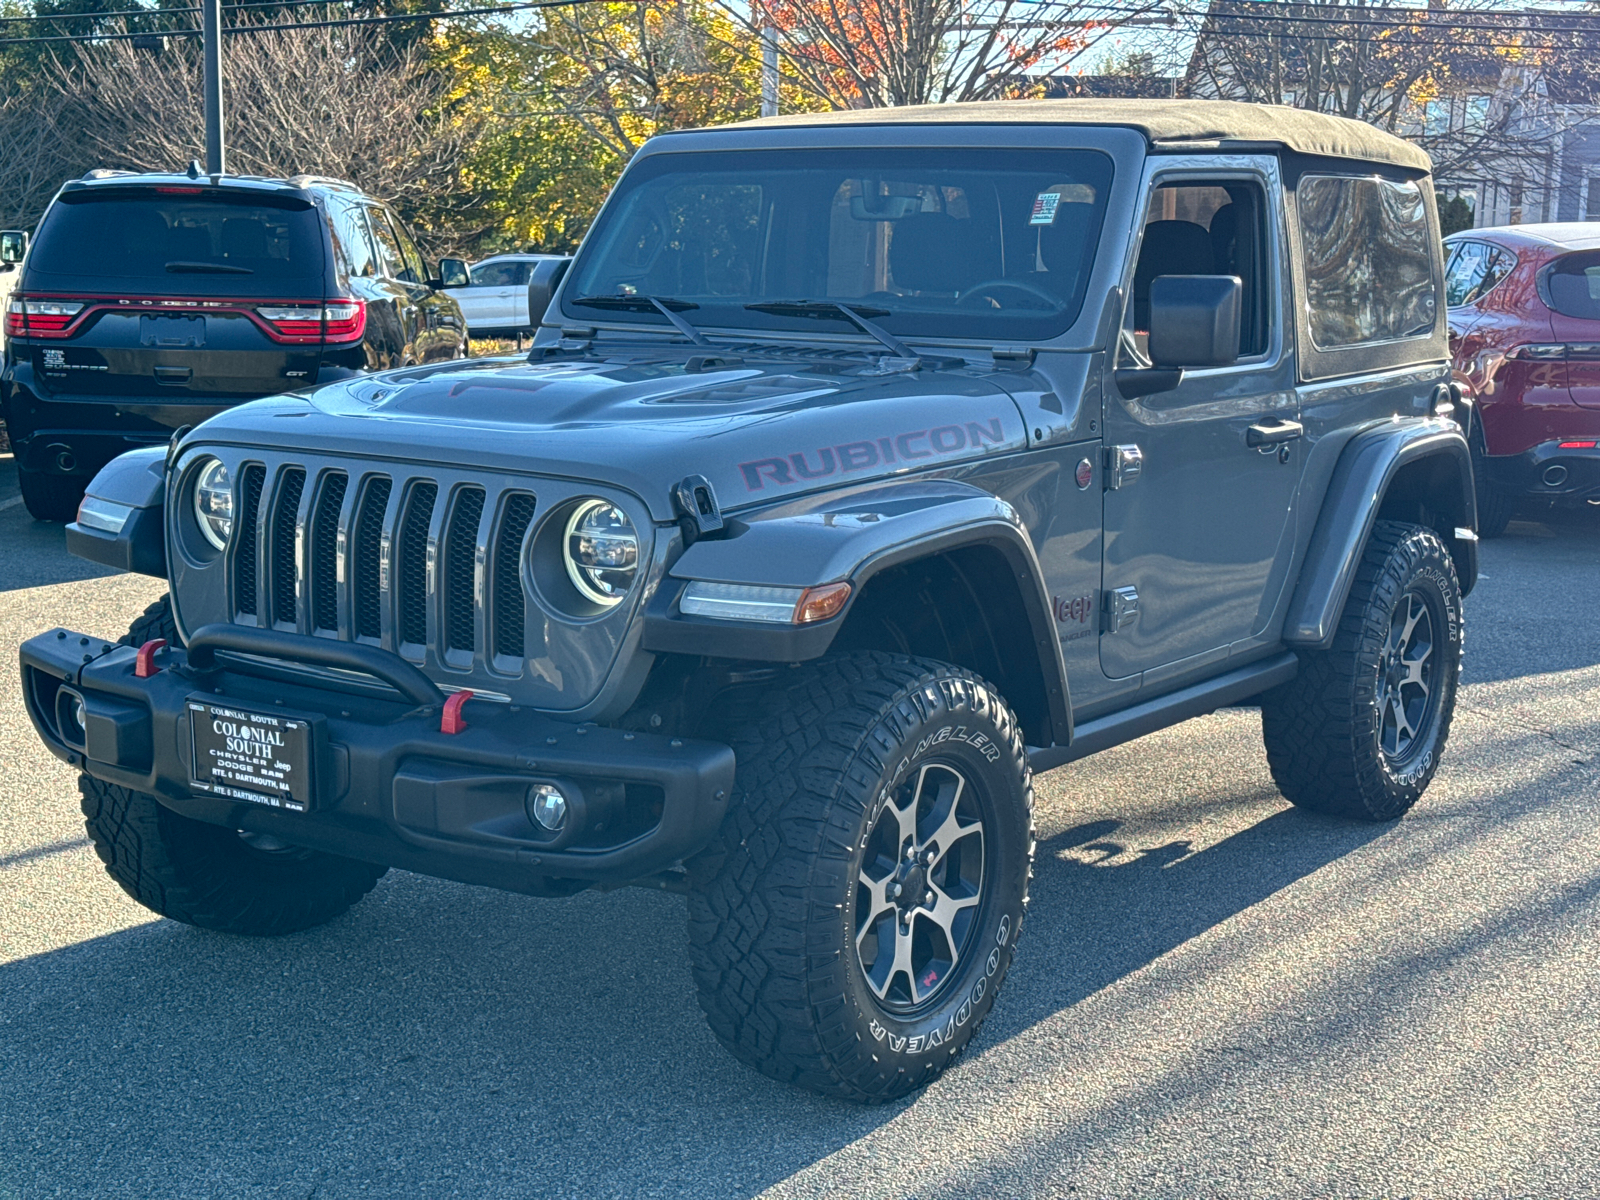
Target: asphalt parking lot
{"x":1216,"y":994}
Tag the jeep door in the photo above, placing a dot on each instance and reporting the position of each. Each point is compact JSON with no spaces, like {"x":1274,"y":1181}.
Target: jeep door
{"x":1198,"y":542}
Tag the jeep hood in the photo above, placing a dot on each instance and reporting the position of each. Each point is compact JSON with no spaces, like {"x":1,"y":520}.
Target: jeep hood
{"x":759,"y":430}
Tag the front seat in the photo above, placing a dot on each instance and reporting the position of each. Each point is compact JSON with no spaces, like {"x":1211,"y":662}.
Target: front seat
{"x":1169,"y":248}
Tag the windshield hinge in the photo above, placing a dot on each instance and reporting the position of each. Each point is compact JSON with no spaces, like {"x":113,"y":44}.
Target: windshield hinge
{"x":1013,"y":358}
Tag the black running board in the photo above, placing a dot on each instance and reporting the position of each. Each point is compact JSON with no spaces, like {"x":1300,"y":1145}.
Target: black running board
{"x":1113,"y":729}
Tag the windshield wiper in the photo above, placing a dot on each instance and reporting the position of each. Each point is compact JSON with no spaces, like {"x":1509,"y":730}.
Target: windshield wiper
{"x":665,"y":305}
{"x":826,"y":309}
{"x":207,"y":268}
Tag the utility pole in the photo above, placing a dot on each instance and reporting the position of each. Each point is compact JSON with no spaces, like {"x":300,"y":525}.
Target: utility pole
{"x":769,"y":68}
{"x":216,"y":158}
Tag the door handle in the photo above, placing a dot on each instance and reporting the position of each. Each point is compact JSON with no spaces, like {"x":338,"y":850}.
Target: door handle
{"x":1273,"y":434}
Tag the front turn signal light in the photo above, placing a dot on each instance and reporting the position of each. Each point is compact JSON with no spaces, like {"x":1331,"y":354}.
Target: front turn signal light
{"x":820,"y":603}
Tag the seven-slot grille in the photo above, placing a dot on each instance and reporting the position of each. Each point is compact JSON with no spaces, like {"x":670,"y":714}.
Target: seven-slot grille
{"x":356,"y":537}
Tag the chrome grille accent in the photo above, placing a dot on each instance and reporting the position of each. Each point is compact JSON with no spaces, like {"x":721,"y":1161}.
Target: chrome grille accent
{"x":460,"y":559}
{"x":367,"y":554}
{"x":285,"y":556}
{"x":244,"y":561}
{"x":325,"y":553}
{"x":411,"y":571}
{"x":505,"y":597}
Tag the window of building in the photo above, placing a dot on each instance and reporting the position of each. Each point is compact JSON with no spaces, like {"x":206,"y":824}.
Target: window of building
{"x":1367,"y":260}
{"x":1477,"y":114}
{"x":1591,"y":200}
{"x":1436,"y":117}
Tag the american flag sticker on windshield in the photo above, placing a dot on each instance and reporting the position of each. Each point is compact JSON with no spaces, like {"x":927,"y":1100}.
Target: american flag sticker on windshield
{"x":1044,"y":208}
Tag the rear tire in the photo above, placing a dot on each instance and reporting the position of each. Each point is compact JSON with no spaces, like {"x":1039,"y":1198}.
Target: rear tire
{"x":51,"y":497}
{"x":1358,"y":732}
{"x":209,"y":875}
{"x":825,"y":954}
{"x":1496,"y":507}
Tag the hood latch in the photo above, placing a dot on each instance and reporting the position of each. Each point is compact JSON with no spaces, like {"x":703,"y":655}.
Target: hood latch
{"x":698,"y":514}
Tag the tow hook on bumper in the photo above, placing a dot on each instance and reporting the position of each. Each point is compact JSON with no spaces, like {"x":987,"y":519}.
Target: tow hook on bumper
{"x":374,"y":778}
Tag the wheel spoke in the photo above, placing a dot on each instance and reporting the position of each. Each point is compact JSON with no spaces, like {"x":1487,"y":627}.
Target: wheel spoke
{"x":951,"y":830}
{"x":878,"y":893}
{"x":902,"y":961}
{"x":944,"y":912}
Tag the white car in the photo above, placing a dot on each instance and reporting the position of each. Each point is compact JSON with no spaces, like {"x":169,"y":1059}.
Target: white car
{"x":495,"y":304}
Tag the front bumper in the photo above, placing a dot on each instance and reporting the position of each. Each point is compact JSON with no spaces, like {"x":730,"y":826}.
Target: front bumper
{"x":1565,"y":471}
{"x":386,"y":785}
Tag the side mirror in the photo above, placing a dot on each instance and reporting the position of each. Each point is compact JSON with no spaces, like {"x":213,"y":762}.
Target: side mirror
{"x":13,"y":245}
{"x":542,"y":284}
{"x":1194,"y":320}
{"x":454,"y":273}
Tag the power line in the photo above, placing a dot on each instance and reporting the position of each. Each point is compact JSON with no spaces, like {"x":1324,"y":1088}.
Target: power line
{"x":161,"y":12}
{"x":189,"y":31}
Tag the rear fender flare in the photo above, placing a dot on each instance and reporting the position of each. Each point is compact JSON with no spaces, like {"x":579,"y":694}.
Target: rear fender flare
{"x":1361,"y":482}
{"x":852,"y":537}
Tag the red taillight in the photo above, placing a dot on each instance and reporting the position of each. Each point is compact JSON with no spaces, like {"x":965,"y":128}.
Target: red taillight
{"x":335,"y":321}
{"x":1575,"y":446}
{"x":28,"y":316}
{"x":180,"y":191}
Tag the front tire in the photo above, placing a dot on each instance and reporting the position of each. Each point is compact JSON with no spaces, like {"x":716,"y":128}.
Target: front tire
{"x":209,"y":875}
{"x":851,"y":925}
{"x":1359,"y":731}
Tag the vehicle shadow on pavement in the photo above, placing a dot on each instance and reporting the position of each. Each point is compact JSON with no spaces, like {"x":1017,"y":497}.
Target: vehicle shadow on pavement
{"x":441,"y":1037}
{"x":1097,"y":915}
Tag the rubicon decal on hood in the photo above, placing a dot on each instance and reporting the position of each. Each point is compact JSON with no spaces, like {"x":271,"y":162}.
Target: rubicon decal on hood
{"x":937,"y":442}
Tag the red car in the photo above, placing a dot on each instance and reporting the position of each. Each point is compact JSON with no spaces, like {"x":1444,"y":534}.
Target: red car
{"x":1524,"y":311}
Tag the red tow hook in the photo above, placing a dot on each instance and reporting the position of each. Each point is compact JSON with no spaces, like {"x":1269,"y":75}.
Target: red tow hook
{"x":144,"y":665}
{"x":451,"y":720}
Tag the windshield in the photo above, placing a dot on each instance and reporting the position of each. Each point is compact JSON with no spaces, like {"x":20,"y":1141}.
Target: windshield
{"x":984,"y":244}
{"x":177,"y":237}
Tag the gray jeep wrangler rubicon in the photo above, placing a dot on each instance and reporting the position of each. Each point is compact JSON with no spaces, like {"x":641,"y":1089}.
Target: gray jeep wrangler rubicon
{"x":865,"y":464}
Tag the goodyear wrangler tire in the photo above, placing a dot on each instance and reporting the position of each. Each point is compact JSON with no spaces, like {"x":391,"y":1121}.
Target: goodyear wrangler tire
{"x":1359,"y":731}
{"x":851,"y":924}
{"x":208,"y":875}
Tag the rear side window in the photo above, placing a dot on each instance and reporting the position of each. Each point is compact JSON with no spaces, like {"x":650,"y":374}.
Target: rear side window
{"x":178,"y":236}
{"x":1572,"y":285}
{"x":1368,"y":260}
{"x":351,"y":229}
{"x":1475,"y":268}
{"x":502,"y":274}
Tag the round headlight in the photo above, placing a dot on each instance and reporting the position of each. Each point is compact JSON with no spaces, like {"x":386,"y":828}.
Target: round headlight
{"x":602,"y":552}
{"x":213,"y":503}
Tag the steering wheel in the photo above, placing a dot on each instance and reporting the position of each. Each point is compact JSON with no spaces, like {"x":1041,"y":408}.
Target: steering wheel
{"x":987,"y":287}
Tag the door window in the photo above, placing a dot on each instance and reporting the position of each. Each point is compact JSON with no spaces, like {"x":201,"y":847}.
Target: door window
{"x":389,"y":253}
{"x":354,"y":240}
{"x":500,"y":274}
{"x":1474,"y":270}
{"x":1207,"y":228}
{"x":416,"y":270}
{"x":1368,"y":260}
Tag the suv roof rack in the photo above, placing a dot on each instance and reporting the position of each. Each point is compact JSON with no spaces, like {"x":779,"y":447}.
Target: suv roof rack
{"x":320,"y":180}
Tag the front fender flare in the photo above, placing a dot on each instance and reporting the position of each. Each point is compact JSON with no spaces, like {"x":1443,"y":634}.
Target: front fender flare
{"x":137,"y":480}
{"x":1361,"y":480}
{"x":851,"y":536}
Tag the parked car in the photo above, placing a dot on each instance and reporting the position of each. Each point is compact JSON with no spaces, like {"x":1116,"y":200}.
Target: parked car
{"x":495,"y":300}
{"x":935,"y":447}
{"x":1524,"y":310}
{"x":147,"y":303}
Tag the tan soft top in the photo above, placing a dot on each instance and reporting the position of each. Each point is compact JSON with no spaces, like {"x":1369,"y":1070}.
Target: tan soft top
{"x":1161,"y":121}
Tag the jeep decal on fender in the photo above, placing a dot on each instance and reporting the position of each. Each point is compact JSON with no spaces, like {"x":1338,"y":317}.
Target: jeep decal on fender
{"x":800,"y":465}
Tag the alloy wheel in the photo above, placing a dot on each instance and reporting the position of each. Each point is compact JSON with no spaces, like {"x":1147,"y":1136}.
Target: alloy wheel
{"x":1406,"y":678}
{"x":920,"y":887}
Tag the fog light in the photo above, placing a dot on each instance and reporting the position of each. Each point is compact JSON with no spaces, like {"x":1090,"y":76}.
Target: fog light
{"x":547,"y":807}
{"x":80,"y":719}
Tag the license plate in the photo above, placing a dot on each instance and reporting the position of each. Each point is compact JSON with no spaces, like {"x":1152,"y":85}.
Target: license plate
{"x":177,"y":333}
{"x":257,"y":757}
